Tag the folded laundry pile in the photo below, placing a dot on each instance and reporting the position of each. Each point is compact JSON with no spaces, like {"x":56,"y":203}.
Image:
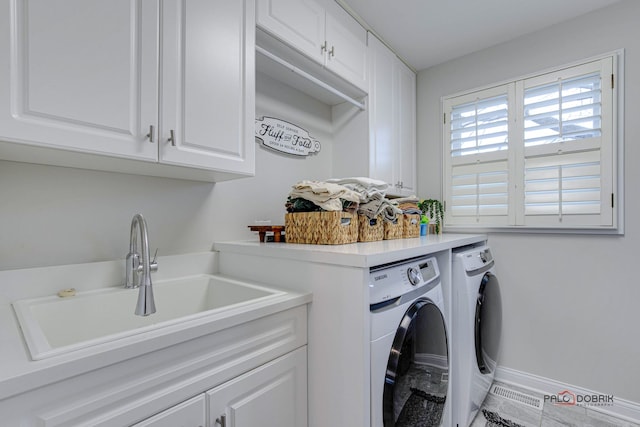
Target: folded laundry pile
{"x":312,"y":196}
{"x":368,"y":188}
{"x":408,"y":205}
{"x":372,"y":197}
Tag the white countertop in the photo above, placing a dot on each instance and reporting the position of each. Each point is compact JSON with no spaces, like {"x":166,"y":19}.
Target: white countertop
{"x":365,"y":254}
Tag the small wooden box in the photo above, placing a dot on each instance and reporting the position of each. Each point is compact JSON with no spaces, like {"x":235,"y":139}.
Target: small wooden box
{"x":370,"y":230}
{"x":393,"y":230}
{"x":321,"y":228}
{"x":410,"y":225}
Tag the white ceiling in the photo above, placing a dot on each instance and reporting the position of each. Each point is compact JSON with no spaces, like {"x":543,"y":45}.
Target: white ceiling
{"x":429,"y":32}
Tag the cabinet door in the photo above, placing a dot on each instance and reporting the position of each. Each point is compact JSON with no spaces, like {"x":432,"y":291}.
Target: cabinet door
{"x":80,"y":75}
{"x":208,"y":84}
{"x":381,"y":115}
{"x":273,"y":395}
{"x":406,"y":129}
{"x":392,"y":120}
{"x":191,"y":413}
{"x":346,"y":46}
{"x":298,"y":23}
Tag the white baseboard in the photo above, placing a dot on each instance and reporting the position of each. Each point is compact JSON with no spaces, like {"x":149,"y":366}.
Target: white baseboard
{"x":621,"y":408}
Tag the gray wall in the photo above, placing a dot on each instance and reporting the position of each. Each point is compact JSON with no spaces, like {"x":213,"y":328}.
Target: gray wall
{"x":570,"y":301}
{"x":52,"y":215}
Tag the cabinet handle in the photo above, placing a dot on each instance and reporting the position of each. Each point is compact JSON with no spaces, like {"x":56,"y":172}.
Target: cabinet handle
{"x":332,"y":52}
{"x":323,"y":47}
{"x":172,"y":137}
{"x":222,"y":421}
{"x":150,"y":134}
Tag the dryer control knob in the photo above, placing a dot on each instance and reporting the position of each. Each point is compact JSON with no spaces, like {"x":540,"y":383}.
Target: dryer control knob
{"x":414,"y":275}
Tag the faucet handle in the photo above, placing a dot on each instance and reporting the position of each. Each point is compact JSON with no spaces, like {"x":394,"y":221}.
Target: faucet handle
{"x":135,"y":263}
{"x":154,"y":263}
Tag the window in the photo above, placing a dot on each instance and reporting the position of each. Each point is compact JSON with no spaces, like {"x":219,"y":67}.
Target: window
{"x":538,"y":152}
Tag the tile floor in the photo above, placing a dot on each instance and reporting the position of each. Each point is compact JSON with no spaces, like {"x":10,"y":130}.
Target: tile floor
{"x":550,"y":416}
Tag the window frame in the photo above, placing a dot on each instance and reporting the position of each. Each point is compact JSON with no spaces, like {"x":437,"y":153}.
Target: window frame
{"x":612,"y":154}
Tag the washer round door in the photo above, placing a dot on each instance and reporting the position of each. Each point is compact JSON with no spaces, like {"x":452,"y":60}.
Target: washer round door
{"x":488,"y":323}
{"x":415,"y":388}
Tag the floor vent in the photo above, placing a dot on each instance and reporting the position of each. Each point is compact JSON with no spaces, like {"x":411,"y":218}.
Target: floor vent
{"x":516,"y":396}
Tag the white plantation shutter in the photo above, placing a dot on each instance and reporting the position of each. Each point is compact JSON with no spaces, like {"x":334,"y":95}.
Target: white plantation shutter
{"x":480,"y":190}
{"x":567,"y":147}
{"x":563,"y":110}
{"x":537,"y":152}
{"x":478,"y":142}
{"x":480,"y":126}
{"x":563,"y":184}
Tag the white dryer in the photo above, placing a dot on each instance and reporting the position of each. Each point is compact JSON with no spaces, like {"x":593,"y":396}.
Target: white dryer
{"x":409,"y":349}
{"x":477,"y":326}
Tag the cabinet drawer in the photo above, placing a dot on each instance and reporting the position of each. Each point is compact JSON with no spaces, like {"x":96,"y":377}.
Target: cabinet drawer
{"x":191,"y":413}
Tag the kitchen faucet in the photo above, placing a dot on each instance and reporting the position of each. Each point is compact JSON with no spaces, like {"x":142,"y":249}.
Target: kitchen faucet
{"x":138,"y":272}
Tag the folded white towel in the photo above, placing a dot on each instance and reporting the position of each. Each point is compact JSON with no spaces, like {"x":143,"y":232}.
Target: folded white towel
{"x":327,"y":195}
{"x":362,"y":181}
{"x":382,"y":207}
{"x":410,"y":199}
{"x":368,"y":188}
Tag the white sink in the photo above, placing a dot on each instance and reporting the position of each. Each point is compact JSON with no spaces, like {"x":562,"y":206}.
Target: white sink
{"x":53,"y":325}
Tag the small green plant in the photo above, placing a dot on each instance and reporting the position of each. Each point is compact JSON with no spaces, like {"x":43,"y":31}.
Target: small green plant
{"x":434,"y":210}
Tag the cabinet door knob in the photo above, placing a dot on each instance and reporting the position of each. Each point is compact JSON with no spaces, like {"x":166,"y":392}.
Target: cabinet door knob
{"x":222,"y":421}
{"x":172,"y":137}
{"x":150,"y":134}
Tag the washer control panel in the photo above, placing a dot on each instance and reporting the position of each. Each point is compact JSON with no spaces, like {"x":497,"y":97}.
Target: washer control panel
{"x":476,"y":259}
{"x":390,"y":281}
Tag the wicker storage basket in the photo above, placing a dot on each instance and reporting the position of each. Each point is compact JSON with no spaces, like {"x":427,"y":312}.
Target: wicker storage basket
{"x":393,"y":230}
{"x":410,"y":225}
{"x":321,"y":228}
{"x":370,"y":230}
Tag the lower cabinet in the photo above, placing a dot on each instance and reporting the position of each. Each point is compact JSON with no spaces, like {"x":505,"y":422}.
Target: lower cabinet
{"x":272,"y":395}
{"x":193,"y":412}
{"x":250,"y":374}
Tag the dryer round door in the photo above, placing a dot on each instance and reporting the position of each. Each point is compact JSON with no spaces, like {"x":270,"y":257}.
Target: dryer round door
{"x":417,"y":374}
{"x":488,"y":323}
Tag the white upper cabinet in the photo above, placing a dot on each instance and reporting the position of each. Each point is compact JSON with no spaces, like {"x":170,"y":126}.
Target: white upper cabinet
{"x":382,"y":102}
{"x":114,"y":79}
{"x":322,"y":31}
{"x":80,"y":74}
{"x":406,"y":130}
{"x":207,"y":84}
{"x":392,"y":120}
{"x":300,"y":23}
{"x":346,"y":49}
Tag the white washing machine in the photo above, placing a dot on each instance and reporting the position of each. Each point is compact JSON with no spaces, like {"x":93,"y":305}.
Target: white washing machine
{"x":477,"y":326}
{"x":409,"y":349}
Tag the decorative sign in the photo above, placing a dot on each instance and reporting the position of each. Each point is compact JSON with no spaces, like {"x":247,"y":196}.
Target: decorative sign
{"x":285,"y":137}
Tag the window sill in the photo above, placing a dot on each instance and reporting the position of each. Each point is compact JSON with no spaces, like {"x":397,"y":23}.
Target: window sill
{"x":533,"y":230}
